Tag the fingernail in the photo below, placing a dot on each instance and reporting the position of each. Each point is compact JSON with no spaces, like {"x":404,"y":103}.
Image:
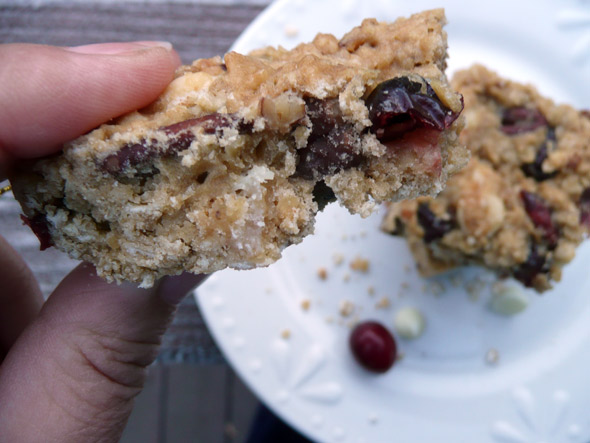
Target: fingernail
{"x":118,"y":47}
{"x":173,"y":289}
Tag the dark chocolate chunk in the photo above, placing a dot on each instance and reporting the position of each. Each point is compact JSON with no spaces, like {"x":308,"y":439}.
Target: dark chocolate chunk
{"x":332,"y":145}
{"x":540,"y":214}
{"x":535,"y":169}
{"x":533,"y":266}
{"x":434,"y":227}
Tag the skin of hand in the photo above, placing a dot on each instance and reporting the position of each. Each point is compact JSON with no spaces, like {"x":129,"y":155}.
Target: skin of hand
{"x":71,"y":367}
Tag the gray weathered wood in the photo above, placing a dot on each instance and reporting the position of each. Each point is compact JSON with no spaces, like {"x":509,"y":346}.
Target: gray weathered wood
{"x":145,"y":418}
{"x":196,"y":403}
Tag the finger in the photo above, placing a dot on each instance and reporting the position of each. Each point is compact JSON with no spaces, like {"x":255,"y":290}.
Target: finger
{"x":20,"y":296}
{"x":50,"y":95}
{"x":74,"y":372}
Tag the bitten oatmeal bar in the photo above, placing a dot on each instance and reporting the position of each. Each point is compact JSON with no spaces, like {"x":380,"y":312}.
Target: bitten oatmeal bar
{"x":231,"y":163}
{"x":522,"y":205}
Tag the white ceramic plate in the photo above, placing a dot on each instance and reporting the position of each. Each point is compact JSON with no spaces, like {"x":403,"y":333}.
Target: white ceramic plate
{"x":444,"y":389}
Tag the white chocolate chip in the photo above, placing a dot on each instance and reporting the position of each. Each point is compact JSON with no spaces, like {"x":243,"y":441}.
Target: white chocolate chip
{"x":291,"y":31}
{"x":409,"y":323}
{"x":508,"y":300}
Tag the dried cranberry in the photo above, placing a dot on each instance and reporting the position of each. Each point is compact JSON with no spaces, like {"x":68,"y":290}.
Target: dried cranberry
{"x":138,"y":155}
{"x":584,"y":204}
{"x":533,"y":266}
{"x":400,"y":105}
{"x":373,"y":346}
{"x":332,"y":144}
{"x":40,"y":228}
{"x":535,"y":169}
{"x":540,"y":214}
{"x":433,"y":226}
{"x":130,"y":155}
{"x":519,"y":119}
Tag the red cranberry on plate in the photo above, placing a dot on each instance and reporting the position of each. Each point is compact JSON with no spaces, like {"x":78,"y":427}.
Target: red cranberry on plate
{"x":373,"y":346}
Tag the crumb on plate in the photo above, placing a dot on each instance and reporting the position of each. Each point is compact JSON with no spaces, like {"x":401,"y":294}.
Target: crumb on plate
{"x":346,"y":308}
{"x":360,"y":264}
{"x":322,"y":273}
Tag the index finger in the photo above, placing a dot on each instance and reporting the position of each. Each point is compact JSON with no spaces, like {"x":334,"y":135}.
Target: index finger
{"x":50,"y":95}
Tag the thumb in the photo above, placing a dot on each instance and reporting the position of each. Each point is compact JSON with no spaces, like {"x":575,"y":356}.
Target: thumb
{"x":73,"y":374}
{"x":50,"y":95}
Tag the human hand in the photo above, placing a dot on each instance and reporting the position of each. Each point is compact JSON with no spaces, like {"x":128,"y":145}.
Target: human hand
{"x":69,"y":369}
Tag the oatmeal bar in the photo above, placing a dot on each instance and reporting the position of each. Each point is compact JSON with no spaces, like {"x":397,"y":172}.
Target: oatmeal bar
{"x":522,"y":204}
{"x":230,"y":165}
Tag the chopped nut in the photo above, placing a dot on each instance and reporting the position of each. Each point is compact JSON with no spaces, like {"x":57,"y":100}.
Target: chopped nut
{"x":322,"y":273}
{"x":409,"y":323}
{"x":346,"y":308}
{"x":360,"y":264}
{"x":282,"y":111}
{"x":305,"y":304}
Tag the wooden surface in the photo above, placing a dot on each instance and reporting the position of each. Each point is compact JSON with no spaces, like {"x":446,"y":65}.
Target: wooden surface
{"x":188,"y":403}
{"x":196,"y":30}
